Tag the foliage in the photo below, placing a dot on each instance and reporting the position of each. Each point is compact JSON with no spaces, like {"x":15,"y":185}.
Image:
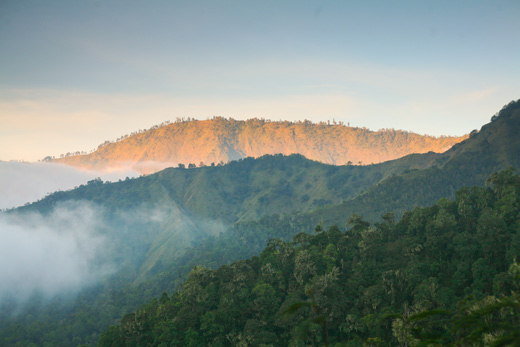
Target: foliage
{"x":393,"y":282}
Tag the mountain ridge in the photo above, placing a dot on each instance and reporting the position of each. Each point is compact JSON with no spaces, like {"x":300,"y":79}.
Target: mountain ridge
{"x":221,"y":140}
{"x":495,"y":147}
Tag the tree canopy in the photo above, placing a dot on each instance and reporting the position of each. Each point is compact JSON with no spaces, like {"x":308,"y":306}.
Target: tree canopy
{"x":441,"y":275}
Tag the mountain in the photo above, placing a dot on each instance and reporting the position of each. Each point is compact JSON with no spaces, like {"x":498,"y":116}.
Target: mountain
{"x":495,"y":147}
{"x":423,"y":180}
{"x":432,"y":258}
{"x":391,"y":282}
{"x":161,"y":225}
{"x":200,"y":202}
{"x":222,"y":140}
{"x":245,"y":189}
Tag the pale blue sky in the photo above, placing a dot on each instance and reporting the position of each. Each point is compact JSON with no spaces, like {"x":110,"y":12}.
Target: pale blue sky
{"x":76,"y":73}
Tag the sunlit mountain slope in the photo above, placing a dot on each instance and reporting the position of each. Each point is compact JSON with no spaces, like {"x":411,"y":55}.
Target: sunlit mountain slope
{"x":222,"y":140}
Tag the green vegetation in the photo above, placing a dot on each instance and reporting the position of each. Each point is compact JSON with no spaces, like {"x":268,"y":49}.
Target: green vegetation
{"x":392,"y":283}
{"x":246,"y":189}
{"x":214,"y":215}
{"x":469,"y":163}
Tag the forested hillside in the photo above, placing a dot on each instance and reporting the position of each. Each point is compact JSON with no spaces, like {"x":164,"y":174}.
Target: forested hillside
{"x":495,"y":147}
{"x":241,"y":190}
{"x":221,"y":140}
{"x":158,"y":227}
{"x":391,"y":283}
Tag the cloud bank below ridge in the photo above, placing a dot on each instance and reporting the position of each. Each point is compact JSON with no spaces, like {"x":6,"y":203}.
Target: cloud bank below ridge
{"x":22,"y":183}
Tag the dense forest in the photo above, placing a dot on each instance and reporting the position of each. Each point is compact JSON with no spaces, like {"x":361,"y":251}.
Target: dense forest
{"x":441,"y":275}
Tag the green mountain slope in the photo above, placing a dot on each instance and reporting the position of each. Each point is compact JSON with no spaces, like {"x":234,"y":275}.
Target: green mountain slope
{"x":335,"y":288}
{"x":196,"y":203}
{"x":461,"y":166}
{"x":497,"y":142}
{"x":243,"y":190}
{"x":495,"y":147}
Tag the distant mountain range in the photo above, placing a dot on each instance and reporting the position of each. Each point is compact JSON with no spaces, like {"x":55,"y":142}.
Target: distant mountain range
{"x":222,"y":140}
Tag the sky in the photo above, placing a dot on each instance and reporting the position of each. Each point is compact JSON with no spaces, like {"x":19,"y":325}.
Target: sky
{"x":76,"y":73}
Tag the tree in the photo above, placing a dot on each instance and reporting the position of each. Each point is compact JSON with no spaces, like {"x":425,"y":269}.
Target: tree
{"x":317,"y":318}
{"x":358,"y":224}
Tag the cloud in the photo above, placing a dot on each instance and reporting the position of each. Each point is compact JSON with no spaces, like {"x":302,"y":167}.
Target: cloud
{"x":475,"y":95}
{"x":21,"y":183}
{"x":51,"y":255}
{"x":79,"y":244}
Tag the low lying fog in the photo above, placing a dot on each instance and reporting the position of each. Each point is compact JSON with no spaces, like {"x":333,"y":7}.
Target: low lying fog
{"x":78,"y":244}
{"x":50,"y":255}
{"x":27,"y":182}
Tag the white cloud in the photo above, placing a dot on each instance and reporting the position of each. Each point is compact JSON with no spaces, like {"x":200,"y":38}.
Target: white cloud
{"x":50,"y":255}
{"x":22,"y":183}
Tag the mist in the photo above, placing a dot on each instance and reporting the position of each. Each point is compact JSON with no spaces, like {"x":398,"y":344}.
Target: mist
{"x":59,"y":253}
{"x":22,"y":183}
